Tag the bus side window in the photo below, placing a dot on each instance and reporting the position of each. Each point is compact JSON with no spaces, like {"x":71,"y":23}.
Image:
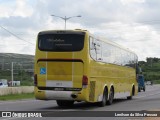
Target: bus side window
{"x":93,"y":48}
{"x":98,"y":50}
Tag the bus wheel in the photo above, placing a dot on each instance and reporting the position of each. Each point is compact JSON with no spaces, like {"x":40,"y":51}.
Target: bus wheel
{"x":139,"y":89}
{"x":132,"y":94}
{"x":144,"y":89}
{"x":104,"y":99}
{"x":111,"y":96}
{"x":65,"y":103}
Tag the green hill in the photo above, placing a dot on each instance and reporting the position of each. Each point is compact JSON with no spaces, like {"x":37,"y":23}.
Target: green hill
{"x":151,"y":69}
{"x":22,"y":67}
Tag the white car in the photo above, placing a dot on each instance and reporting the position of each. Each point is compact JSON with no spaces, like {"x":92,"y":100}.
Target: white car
{"x":148,"y":83}
{"x":3,"y":85}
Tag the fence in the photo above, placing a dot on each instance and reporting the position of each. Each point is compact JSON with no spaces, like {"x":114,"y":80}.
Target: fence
{"x":16,"y":90}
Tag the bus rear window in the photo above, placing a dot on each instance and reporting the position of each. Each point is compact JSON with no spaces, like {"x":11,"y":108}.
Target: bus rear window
{"x":61,"y":42}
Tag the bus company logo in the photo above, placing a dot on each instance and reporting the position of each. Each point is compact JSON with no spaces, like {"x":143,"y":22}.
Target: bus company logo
{"x":58,"y":40}
{"x":6,"y":114}
{"x":55,"y":40}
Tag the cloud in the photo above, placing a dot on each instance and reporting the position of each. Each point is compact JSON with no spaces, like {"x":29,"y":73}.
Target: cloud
{"x":16,"y":8}
{"x":126,"y":2}
{"x":131,"y":23}
{"x":22,"y":9}
{"x":13,"y":45}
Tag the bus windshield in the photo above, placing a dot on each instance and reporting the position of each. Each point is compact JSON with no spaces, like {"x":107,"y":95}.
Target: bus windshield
{"x":61,"y":42}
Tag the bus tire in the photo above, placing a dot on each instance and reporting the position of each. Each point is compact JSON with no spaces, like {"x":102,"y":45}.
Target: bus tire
{"x":132,"y":94}
{"x":139,"y":89}
{"x":111,"y":96}
{"x":65,"y":103}
{"x":104,"y":99}
{"x":144,"y":89}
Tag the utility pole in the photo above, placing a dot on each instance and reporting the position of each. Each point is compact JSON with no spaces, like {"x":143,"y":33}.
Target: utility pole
{"x":12,"y":72}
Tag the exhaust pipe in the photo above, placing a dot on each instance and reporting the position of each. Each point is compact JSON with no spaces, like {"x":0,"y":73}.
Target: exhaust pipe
{"x":74,"y":96}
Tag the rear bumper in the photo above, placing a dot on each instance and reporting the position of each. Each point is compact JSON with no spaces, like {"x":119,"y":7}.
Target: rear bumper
{"x":60,"y":95}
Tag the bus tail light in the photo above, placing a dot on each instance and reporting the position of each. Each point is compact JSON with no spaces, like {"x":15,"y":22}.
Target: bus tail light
{"x":35,"y":80}
{"x":84,"y":81}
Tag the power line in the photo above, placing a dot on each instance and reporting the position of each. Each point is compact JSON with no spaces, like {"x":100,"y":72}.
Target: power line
{"x":16,"y":35}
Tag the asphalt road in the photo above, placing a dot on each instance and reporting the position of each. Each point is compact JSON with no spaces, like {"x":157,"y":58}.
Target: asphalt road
{"x":144,"y":101}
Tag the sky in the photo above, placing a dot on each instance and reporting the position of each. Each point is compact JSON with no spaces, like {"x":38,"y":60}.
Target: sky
{"x":134,"y":24}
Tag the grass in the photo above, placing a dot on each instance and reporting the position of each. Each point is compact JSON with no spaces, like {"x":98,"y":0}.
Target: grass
{"x":17,"y":96}
{"x":156,"y":81}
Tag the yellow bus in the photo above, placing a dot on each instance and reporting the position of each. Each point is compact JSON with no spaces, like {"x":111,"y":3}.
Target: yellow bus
{"x":74,"y":65}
